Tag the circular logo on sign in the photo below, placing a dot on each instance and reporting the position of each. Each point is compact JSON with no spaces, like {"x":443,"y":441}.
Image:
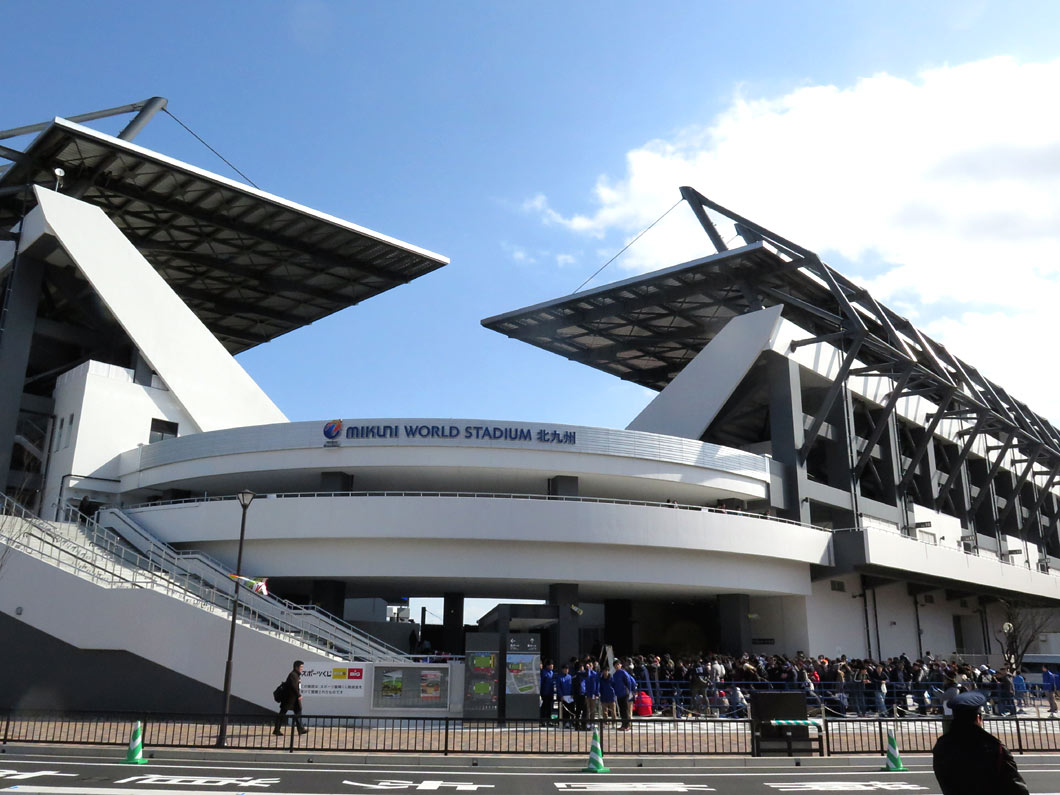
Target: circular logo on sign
{"x":332,"y":429}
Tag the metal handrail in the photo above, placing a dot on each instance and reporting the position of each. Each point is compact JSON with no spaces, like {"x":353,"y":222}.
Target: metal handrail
{"x":86,"y":549}
{"x":482,"y":495}
{"x":333,"y":635}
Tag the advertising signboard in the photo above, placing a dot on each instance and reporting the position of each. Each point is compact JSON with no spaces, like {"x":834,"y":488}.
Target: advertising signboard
{"x":329,"y":679}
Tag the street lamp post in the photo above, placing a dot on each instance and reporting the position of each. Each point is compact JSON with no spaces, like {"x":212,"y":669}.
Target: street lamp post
{"x":246,"y":496}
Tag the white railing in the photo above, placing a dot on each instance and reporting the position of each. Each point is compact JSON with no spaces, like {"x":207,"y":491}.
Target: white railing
{"x":309,"y":623}
{"x":484,"y":495}
{"x":81,"y":546}
{"x":958,"y":545}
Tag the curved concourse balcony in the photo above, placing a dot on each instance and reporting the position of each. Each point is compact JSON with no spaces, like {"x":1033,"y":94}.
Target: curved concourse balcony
{"x":512,"y":544}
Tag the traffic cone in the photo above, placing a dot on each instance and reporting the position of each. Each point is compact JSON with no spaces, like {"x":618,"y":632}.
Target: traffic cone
{"x":135,"y":756}
{"x":894,"y":759}
{"x":596,"y":756}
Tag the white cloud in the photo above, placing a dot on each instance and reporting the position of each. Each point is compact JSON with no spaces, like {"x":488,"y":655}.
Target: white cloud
{"x":942,"y":192}
{"x":565,"y":260}
{"x":519,"y":254}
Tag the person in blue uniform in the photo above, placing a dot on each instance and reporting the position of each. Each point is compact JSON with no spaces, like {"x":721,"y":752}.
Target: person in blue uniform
{"x":579,"y":689}
{"x":968,"y":760}
{"x":548,"y":691}
{"x":625,"y":689}
{"x":565,"y":691}
{"x":592,"y":692}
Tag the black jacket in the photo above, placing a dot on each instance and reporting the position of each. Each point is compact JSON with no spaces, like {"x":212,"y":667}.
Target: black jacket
{"x":292,"y":692}
{"x":970,"y":761}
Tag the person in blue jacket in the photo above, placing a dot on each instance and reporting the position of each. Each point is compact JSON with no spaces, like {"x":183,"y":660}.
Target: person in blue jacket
{"x":565,"y":691}
{"x":548,"y":691}
{"x":625,"y":690}
{"x":608,"y":700}
{"x":592,"y":691}
{"x":579,"y":688}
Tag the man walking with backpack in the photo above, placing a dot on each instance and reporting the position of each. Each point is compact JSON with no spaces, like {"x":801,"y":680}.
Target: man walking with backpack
{"x":290,"y":693}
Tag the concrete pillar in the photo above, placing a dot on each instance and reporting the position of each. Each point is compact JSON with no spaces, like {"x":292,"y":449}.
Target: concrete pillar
{"x":453,"y":623}
{"x":16,"y":338}
{"x":565,"y":633}
{"x":563,"y":486}
{"x":618,"y":625}
{"x":734,"y":624}
{"x":329,"y":595}
{"x":336,"y":481}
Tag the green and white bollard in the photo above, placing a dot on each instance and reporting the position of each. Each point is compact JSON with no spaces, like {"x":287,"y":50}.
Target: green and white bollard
{"x":135,"y":755}
{"x":596,"y":756}
{"x":894,"y":759}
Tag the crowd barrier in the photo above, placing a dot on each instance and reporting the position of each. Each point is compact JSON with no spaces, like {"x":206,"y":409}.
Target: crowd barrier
{"x":649,"y":736}
{"x":679,"y":698}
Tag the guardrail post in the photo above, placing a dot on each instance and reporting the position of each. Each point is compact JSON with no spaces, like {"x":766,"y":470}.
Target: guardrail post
{"x":445,"y":751}
{"x":7,"y":726}
{"x":1019,"y":736}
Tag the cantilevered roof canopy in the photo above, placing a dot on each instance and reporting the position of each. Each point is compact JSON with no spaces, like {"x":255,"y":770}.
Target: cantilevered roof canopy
{"x":252,"y":266}
{"x":646,"y":328}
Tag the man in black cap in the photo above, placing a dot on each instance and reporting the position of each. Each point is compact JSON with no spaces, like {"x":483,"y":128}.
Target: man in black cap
{"x":968,"y":760}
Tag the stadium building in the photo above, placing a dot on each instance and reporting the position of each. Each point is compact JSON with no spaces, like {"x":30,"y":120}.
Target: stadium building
{"x":814,"y":474}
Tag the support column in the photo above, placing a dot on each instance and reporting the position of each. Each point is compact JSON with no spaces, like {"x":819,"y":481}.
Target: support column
{"x":565,"y":636}
{"x":453,"y":623}
{"x":336,"y":481}
{"x":787,"y":430}
{"x":618,"y":625}
{"x":329,"y":595}
{"x":563,"y":486}
{"x":17,"y":319}
{"x":734,"y":624}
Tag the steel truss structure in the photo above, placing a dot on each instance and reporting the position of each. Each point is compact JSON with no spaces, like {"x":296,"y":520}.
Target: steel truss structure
{"x":645,"y":330}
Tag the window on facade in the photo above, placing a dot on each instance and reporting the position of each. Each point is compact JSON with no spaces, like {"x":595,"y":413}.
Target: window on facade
{"x":839,"y":585}
{"x":59,"y":435}
{"x":69,"y":431}
{"x":162,"y":429}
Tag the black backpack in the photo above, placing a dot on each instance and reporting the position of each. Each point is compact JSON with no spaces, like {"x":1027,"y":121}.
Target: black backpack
{"x":280,"y":692}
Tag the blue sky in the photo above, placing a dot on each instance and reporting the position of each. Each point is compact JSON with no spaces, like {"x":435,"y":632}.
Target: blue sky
{"x":529,"y":142}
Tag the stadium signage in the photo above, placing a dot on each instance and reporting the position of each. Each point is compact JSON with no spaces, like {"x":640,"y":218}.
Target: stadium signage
{"x":335,"y":430}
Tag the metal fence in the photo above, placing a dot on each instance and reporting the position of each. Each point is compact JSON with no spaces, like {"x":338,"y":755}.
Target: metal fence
{"x":648,"y":737}
{"x":81,"y":546}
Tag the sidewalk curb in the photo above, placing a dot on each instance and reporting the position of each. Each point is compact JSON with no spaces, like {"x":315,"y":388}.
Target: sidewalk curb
{"x":561,"y":761}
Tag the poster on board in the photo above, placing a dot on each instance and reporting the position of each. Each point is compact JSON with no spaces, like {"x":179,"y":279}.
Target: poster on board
{"x":328,"y":679}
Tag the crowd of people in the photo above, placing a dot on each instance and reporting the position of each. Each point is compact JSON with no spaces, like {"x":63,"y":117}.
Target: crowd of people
{"x":720,"y":685}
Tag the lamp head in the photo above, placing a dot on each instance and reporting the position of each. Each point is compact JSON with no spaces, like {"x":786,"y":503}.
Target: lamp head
{"x":246,"y":496}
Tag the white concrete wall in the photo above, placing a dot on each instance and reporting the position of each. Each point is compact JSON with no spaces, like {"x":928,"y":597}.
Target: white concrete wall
{"x":212,"y":386}
{"x":514,"y":543}
{"x":179,"y":636}
{"x":607,"y":462}
{"x":696,"y":394}
{"x":895,"y":551}
{"x":936,"y":621}
{"x":111,"y":414}
{"x":836,"y":619}
{"x":893,"y":616}
{"x":782,"y":619}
